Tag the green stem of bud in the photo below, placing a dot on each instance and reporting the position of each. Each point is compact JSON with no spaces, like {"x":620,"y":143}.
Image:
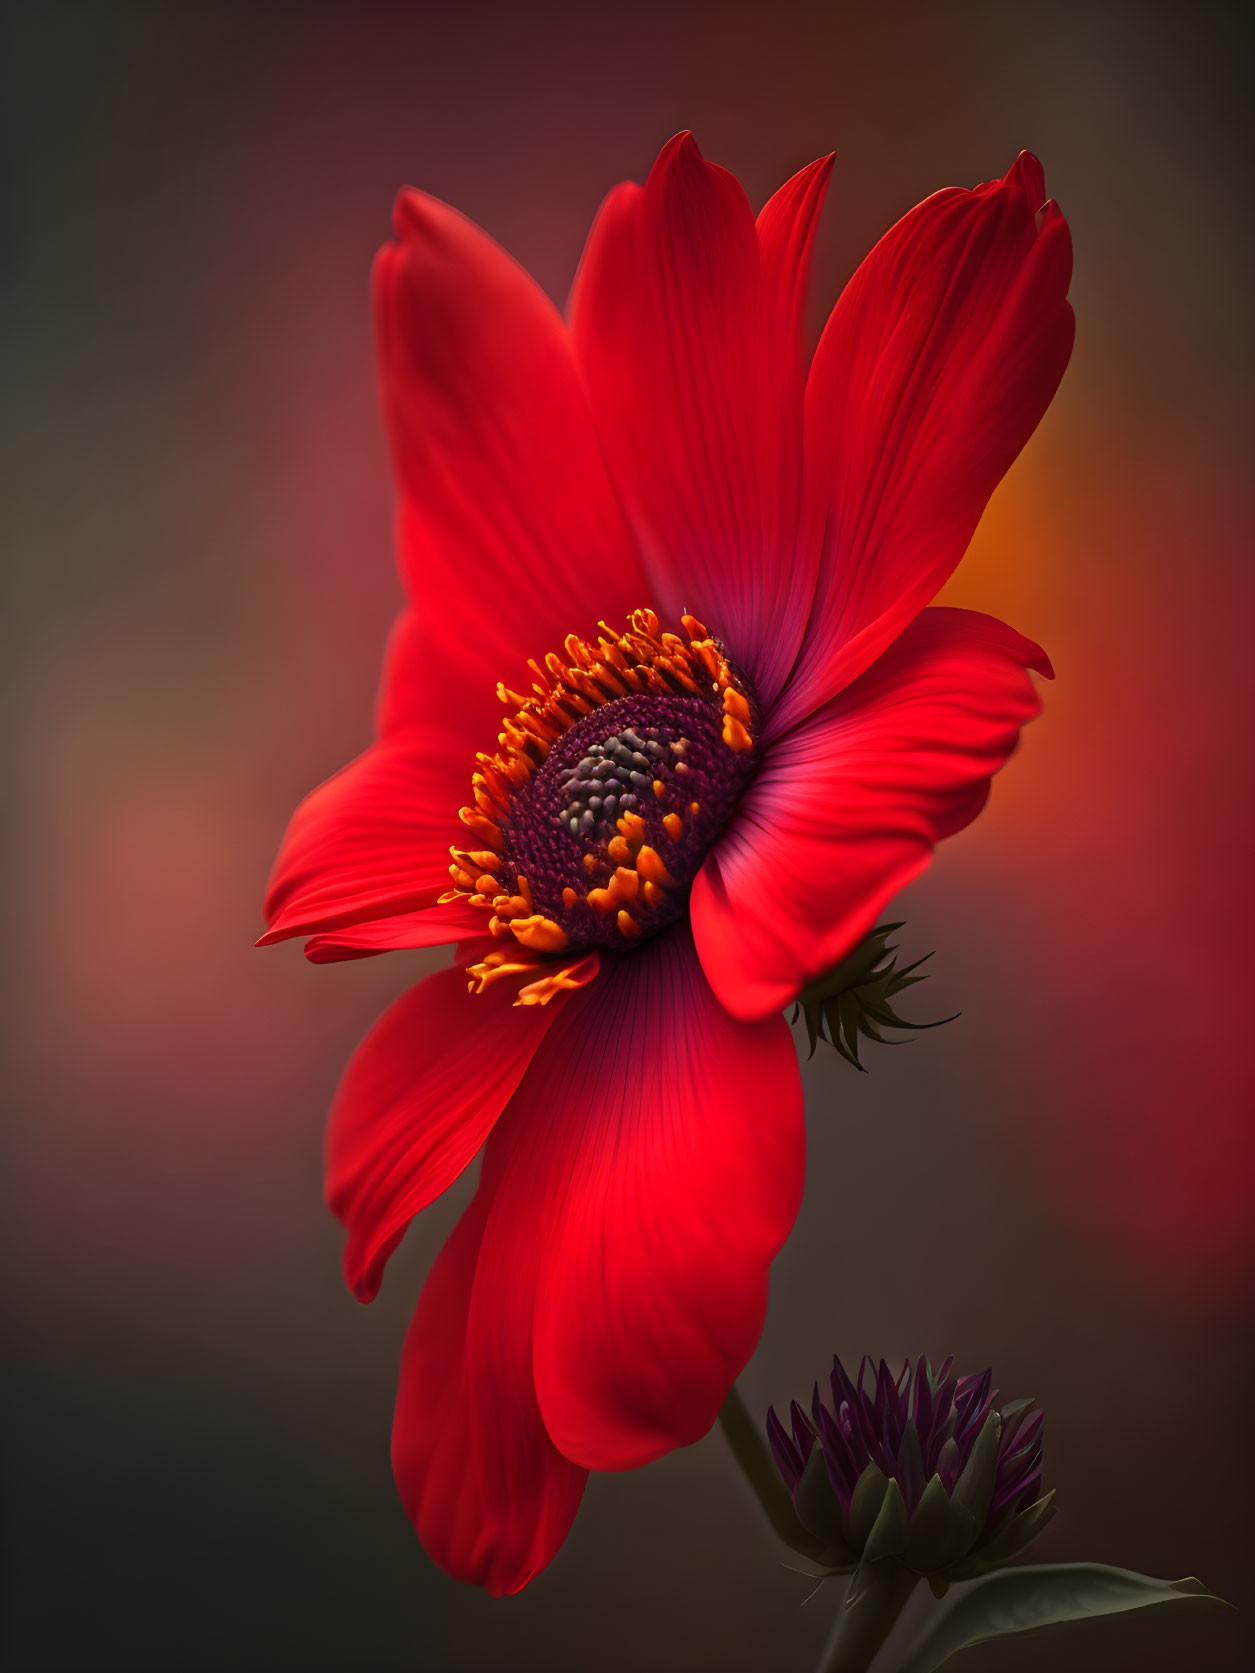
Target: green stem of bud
{"x":867,"y":1617}
{"x":749,"y":1448}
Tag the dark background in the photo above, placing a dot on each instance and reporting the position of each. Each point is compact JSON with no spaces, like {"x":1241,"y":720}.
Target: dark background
{"x":196,"y":1471}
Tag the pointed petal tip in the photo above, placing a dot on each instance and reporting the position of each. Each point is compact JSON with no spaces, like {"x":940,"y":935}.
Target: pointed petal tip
{"x":412,"y":212}
{"x":680,"y":149}
{"x":363,"y":1289}
{"x":821,"y":169}
{"x":818,"y":171}
{"x":1027,"y":173}
{"x":1041,"y":663}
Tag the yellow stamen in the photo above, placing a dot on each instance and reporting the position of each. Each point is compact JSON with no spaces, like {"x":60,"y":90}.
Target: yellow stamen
{"x":484,"y":828}
{"x":649,"y":864}
{"x":633,"y":827}
{"x":494,"y":967}
{"x":562,"y":980}
{"x":539,"y":933}
{"x":735,"y":735}
{"x":735,"y":704}
{"x":625,"y":882}
{"x":622,"y":886}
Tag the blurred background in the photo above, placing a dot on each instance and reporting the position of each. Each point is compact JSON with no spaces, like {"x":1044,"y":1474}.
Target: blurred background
{"x":1058,"y":1184}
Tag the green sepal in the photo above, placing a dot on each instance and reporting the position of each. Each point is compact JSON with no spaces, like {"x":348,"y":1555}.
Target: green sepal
{"x":818,"y":1508}
{"x":1020,"y":1600}
{"x":948,"y":1458}
{"x":975,"y":1487}
{"x":856,"y":966}
{"x":891,"y":1528}
{"x":854,"y":997}
{"x":749,"y":1448}
{"x":941,"y":1531}
{"x":1011,"y":1535}
{"x":885,"y":1543}
{"x":865,"y":1502}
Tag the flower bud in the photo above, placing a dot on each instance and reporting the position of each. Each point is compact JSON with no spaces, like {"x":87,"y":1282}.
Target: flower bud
{"x":925,"y":1468}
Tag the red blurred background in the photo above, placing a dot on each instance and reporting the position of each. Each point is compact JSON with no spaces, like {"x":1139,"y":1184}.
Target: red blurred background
{"x":1058,"y":1184}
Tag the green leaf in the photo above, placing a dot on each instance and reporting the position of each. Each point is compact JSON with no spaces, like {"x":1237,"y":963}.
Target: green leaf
{"x":1023,"y":1599}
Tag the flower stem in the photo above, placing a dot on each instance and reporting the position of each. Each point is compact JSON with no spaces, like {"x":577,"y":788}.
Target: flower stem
{"x":749,"y":1448}
{"x":867,"y":1617}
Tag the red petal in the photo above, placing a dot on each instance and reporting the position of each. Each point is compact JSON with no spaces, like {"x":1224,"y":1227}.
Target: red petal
{"x":632,"y":1196}
{"x":664,"y":1171}
{"x":424,"y":675}
{"x":935,"y":367}
{"x":786,"y":234}
{"x":435,"y":926}
{"x":847,"y":807}
{"x":419,"y":1098}
{"x":489,"y":1494}
{"x":373,"y":841}
{"x":669,"y":318}
{"x":511,"y":536}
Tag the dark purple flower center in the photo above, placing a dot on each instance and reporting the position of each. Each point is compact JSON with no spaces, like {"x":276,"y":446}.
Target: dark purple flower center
{"x":611,"y":783}
{"x":614,"y":827}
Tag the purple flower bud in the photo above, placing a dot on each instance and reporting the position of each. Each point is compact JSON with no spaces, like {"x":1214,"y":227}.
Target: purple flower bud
{"x":925,"y":1467}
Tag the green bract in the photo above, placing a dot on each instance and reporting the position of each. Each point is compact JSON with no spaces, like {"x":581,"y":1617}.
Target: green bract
{"x":853,"y":998}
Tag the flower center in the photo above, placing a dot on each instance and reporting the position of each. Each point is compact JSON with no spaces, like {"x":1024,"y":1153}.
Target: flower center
{"x":611,"y":782}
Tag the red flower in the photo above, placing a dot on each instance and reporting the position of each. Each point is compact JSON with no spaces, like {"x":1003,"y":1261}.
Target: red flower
{"x":676,"y":829}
